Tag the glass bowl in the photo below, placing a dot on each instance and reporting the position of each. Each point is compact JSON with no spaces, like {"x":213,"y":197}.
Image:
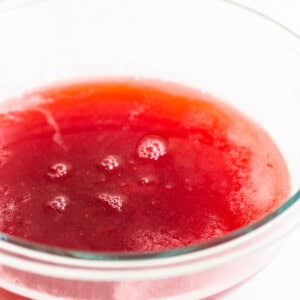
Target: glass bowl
{"x":219,"y":47}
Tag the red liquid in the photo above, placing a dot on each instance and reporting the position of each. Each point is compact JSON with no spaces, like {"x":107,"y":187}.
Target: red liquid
{"x":133,"y":167}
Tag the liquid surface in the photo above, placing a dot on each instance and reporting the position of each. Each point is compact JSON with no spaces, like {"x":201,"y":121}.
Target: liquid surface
{"x":132,"y":167}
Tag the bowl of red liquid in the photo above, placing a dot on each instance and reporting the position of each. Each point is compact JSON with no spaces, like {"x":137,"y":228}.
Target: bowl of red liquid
{"x":148,"y":150}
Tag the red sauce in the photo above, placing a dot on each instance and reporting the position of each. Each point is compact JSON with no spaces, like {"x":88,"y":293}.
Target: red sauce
{"x":132,"y":166}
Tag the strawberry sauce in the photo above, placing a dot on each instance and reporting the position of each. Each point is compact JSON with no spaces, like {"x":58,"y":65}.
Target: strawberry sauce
{"x":132,"y":166}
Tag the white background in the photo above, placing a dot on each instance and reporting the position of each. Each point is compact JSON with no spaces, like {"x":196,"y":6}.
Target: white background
{"x":281,"y":279}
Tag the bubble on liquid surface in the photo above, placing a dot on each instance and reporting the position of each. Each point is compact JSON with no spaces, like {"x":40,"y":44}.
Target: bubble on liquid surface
{"x":58,"y":170}
{"x":152,"y":147}
{"x":58,"y":203}
{"x":4,"y":157}
{"x":214,"y":225}
{"x":135,"y":113}
{"x":188,"y":184}
{"x":110,"y":162}
{"x":26,"y":198}
{"x":115,"y":201}
{"x":169,"y":185}
{"x":144,"y":240}
{"x":147,"y":180}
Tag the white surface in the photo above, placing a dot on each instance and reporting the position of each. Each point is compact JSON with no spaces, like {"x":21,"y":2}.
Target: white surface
{"x":280,"y":280}
{"x":286,"y":12}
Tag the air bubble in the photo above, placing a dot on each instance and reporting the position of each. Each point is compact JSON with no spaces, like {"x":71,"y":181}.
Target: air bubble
{"x":113,"y":200}
{"x":58,"y":203}
{"x":188,"y":184}
{"x":4,"y":157}
{"x":102,"y":177}
{"x":134,"y":114}
{"x":58,"y":170}
{"x":147,"y":180}
{"x":26,"y":198}
{"x":169,"y":185}
{"x":215,"y":226}
{"x":152,"y":147}
{"x":110,"y":162}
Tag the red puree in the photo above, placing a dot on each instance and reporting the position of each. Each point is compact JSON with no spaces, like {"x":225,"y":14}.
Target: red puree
{"x":132,"y":166}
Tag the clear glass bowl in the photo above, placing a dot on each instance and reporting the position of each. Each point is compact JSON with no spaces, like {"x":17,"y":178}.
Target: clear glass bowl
{"x":231,"y":52}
